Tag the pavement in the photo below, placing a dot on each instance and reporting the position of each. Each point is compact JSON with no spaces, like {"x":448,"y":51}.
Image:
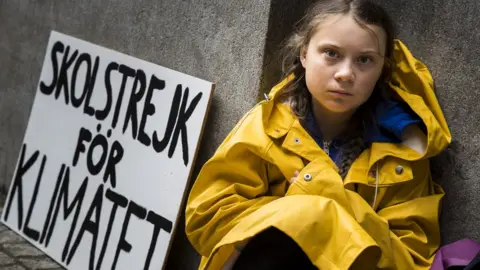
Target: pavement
{"x":18,"y":254}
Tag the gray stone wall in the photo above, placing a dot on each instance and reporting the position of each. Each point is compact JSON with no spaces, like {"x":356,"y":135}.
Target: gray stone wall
{"x":220,"y":41}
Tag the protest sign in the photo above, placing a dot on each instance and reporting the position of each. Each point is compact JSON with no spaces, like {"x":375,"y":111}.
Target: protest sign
{"x":106,"y":157}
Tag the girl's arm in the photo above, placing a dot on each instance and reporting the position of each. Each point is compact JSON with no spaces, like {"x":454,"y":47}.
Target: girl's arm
{"x":230,"y":186}
{"x":414,"y":138}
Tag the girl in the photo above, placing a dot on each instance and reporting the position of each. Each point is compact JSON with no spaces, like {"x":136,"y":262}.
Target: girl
{"x":331,"y":171}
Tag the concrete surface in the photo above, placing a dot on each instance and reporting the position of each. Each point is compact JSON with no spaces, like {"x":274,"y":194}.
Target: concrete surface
{"x":233,"y":44}
{"x":17,"y":254}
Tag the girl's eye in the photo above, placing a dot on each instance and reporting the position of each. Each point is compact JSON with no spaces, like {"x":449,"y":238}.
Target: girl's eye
{"x":365,"y":59}
{"x":330,"y":53}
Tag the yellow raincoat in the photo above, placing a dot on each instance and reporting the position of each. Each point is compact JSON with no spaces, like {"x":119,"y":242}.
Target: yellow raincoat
{"x":243,"y":189}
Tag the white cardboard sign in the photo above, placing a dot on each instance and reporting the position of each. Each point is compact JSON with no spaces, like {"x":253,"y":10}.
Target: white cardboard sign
{"x":106,"y":157}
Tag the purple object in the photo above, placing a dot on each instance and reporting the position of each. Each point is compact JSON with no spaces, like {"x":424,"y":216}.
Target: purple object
{"x":459,"y":253}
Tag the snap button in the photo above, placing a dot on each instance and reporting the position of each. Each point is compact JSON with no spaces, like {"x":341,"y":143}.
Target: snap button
{"x":297,"y":140}
{"x":399,"y":169}
{"x":307,"y":177}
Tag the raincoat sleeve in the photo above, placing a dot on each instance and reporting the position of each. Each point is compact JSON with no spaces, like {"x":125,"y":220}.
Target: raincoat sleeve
{"x":230,"y":186}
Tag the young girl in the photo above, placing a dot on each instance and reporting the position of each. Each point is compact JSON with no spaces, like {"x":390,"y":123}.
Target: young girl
{"x":331,"y":171}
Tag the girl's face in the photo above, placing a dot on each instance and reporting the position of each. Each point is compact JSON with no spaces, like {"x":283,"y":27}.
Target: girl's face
{"x":343,"y":62}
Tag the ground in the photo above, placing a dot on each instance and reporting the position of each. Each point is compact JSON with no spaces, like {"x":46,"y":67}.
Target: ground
{"x":17,"y":254}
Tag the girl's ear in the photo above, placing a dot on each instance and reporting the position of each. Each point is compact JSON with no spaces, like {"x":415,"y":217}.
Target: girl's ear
{"x":303,"y":56}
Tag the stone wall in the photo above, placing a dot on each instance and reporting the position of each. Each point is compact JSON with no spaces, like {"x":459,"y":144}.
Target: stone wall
{"x":221,"y":41}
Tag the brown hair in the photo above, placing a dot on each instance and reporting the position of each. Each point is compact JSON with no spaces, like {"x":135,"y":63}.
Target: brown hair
{"x":365,"y":12}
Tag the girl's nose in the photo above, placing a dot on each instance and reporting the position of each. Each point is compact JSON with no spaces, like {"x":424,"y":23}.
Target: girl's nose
{"x":345,"y":72}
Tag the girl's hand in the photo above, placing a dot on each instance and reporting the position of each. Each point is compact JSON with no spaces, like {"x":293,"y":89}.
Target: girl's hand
{"x":295,"y":175}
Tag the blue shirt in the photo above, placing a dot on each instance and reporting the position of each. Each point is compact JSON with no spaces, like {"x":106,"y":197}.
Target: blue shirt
{"x":391,"y":122}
